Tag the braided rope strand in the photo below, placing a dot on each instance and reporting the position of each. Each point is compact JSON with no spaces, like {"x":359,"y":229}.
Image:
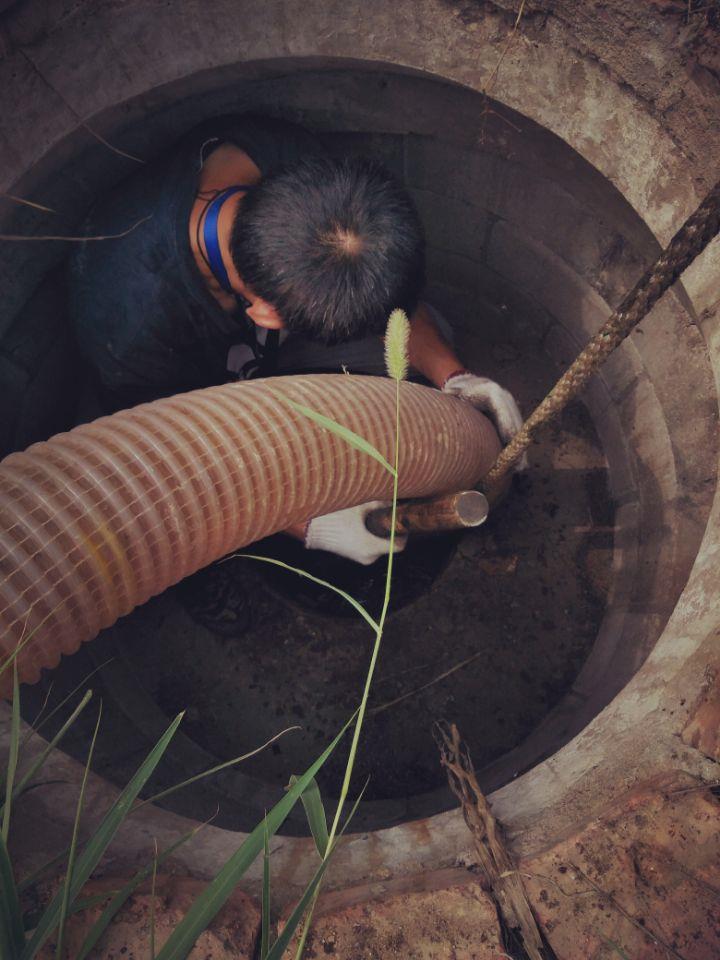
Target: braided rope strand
{"x":687,"y":244}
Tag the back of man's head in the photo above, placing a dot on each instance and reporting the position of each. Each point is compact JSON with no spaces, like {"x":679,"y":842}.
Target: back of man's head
{"x":333,"y":245}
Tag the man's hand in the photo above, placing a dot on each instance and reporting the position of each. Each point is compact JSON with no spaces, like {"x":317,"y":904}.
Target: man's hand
{"x":345,"y":534}
{"x":491,"y":398}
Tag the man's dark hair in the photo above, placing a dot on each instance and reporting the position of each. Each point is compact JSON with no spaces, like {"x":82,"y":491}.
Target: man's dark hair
{"x":333,"y":245}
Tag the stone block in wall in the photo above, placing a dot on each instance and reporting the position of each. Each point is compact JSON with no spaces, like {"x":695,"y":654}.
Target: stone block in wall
{"x":623,"y":262}
{"x":463,"y":310}
{"x":25,"y":135}
{"x":388,"y":148}
{"x":648,"y":438}
{"x":490,"y":339}
{"x":621,"y":370}
{"x":546,"y":277}
{"x":451,"y":269}
{"x":495,"y":309}
{"x":454,"y":225}
{"x":605,"y":243}
{"x":492,"y":355}
{"x":517,"y":261}
{"x":663,"y":568}
{"x":623,"y":482}
{"x":468,"y":175}
{"x":618,"y":373}
{"x":40,"y":370}
{"x":29,"y":131}
{"x":526,"y":321}
{"x":544,"y":210}
{"x":601,"y":669}
{"x":667,"y":333}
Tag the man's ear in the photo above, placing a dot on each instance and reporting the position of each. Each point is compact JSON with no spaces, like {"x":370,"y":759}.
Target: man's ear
{"x":270,"y":322}
{"x":265,"y":315}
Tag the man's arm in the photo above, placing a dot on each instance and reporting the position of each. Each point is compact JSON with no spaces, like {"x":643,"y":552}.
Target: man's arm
{"x":430,"y":353}
{"x":433,"y":357}
{"x":344,"y":532}
{"x":297,"y":530}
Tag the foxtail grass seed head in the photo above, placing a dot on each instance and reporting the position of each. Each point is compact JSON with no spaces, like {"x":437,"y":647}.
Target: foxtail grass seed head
{"x":397,"y":336}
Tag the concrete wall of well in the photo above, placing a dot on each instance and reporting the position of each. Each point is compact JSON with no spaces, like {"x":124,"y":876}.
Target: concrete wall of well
{"x":636,"y":101}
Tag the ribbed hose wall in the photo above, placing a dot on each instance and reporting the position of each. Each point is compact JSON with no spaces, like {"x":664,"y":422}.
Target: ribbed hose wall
{"x":96,"y":521}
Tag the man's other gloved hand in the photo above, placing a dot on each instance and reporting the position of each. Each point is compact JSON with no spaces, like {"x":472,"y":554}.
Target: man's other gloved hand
{"x":345,"y":534}
{"x":491,"y":398}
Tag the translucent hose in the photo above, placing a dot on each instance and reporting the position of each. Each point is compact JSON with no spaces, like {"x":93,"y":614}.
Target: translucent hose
{"x":96,"y":521}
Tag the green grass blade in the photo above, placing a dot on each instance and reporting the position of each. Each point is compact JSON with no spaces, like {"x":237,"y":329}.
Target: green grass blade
{"x":308,"y":576}
{"x":41,"y":720}
{"x":24,"y":641}
{"x":39,"y":761}
{"x":379,"y":633}
{"x":315,"y":813}
{"x":207,"y":905}
{"x":67,"y":885}
{"x":121,"y":896}
{"x":373,"y":660}
{"x":37,"y":718}
{"x":265,"y":925}
{"x":277,"y":951}
{"x":311,"y":909}
{"x":30,"y":917}
{"x":101,"y":839}
{"x":12,"y":936}
{"x":33,"y":877}
{"x":87,"y":903}
{"x":13,"y":755}
{"x":349,"y":436}
{"x":309,"y":895}
{"x":216,"y":769}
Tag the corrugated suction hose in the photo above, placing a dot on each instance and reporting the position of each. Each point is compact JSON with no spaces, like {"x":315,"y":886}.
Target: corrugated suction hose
{"x":96,"y":521}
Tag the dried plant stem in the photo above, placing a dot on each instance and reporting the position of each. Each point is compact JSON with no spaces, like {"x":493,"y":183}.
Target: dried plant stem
{"x":430,"y":683}
{"x":27,"y":203}
{"x":494,"y":858}
{"x":82,"y":123}
{"x":506,"y":47}
{"x":110,"y":146}
{"x":47,"y":236}
{"x":628,"y":916}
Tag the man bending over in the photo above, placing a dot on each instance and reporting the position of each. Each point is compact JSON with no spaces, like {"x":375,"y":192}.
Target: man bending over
{"x":259,"y":255}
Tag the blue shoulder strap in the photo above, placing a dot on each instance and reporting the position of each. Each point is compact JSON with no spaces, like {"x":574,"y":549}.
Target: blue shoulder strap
{"x":210,"y":237}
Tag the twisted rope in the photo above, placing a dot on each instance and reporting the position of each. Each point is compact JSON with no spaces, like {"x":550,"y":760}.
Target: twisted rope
{"x":690,"y":240}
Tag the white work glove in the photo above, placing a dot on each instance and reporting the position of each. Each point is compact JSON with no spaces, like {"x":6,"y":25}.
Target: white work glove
{"x":345,"y":534}
{"x":491,"y":398}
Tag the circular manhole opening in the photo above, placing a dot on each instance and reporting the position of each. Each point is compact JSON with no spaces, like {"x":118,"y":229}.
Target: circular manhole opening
{"x":487,"y":629}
